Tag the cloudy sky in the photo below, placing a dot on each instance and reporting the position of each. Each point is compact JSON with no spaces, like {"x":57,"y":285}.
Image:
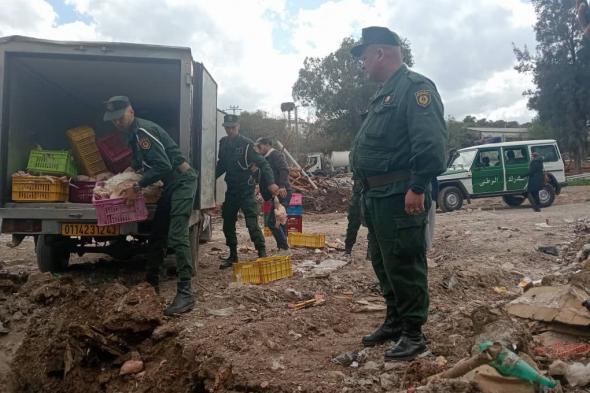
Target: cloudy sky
{"x":255,"y":48}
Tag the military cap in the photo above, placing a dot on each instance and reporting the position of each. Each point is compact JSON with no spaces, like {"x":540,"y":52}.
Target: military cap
{"x":375,"y":35}
{"x":263,"y":141}
{"x":115,"y":107}
{"x":231,"y":120}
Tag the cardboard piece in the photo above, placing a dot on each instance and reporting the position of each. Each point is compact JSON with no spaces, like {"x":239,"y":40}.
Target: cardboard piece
{"x":552,"y":304}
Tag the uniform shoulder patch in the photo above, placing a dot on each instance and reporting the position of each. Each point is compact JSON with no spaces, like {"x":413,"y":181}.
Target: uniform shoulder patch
{"x":423,"y":97}
{"x":144,"y":143}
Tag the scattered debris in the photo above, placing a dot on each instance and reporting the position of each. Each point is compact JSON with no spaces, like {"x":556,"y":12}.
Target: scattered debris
{"x":551,"y":250}
{"x":318,"y":300}
{"x":351,"y":359}
{"x":131,"y":367}
{"x":576,"y":374}
{"x":3,"y":330}
{"x":560,"y":304}
{"x":223,"y":312}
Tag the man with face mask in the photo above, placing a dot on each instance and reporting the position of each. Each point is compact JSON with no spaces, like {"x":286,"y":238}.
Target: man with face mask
{"x":159,"y":157}
{"x":398,"y":151}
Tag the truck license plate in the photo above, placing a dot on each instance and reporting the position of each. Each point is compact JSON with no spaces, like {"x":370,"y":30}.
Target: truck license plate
{"x":89,"y":230}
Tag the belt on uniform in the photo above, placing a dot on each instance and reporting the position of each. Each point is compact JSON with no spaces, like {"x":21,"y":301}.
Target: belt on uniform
{"x":386,"y":179}
{"x":184,"y":167}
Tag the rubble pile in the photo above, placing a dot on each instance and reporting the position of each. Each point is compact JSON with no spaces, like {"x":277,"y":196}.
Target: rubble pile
{"x":331,"y":195}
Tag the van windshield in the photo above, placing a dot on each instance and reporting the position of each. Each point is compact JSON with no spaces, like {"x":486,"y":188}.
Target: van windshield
{"x":463,"y":160}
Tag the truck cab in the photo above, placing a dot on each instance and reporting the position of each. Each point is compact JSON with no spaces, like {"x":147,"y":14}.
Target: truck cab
{"x":48,"y":87}
{"x":499,"y":169}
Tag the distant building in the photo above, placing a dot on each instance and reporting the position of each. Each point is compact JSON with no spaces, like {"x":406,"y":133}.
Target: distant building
{"x":499,"y":134}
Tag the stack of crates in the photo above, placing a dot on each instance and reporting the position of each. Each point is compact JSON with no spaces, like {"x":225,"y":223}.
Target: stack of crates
{"x":295,"y":214}
{"x":86,"y":151}
{"x":115,"y":152}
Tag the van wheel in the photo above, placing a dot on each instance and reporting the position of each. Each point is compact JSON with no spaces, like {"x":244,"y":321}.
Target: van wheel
{"x":450,"y":198}
{"x":513,"y":200}
{"x":546,"y":195}
{"x":52,"y":253}
{"x":194,"y":235}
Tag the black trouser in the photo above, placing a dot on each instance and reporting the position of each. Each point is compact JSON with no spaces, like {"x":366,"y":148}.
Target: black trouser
{"x":534,"y":197}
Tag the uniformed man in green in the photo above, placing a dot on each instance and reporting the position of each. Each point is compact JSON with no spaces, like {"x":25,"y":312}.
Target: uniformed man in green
{"x":159,"y":157}
{"x":397,"y":152}
{"x":238,"y":160}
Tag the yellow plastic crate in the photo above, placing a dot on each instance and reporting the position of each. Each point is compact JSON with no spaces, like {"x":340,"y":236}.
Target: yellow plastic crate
{"x":91,"y":164}
{"x":81,"y":133}
{"x":267,"y":232}
{"x":263,"y":270}
{"x":39,"y":189}
{"x":297,"y":239}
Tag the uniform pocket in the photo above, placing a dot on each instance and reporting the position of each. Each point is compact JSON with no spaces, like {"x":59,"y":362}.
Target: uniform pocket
{"x":381,"y":119}
{"x":410,"y":235}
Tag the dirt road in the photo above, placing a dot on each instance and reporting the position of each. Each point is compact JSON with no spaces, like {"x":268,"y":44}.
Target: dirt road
{"x":72,"y":332}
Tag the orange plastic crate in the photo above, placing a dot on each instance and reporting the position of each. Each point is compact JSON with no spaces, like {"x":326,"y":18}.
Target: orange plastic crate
{"x":297,"y":239}
{"x":86,"y":151}
{"x":39,"y":189}
{"x":263,"y":270}
{"x":267,"y":232}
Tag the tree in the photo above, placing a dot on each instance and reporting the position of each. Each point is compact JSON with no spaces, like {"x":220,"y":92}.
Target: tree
{"x":336,"y":87}
{"x":257,"y":124}
{"x":561,"y":75}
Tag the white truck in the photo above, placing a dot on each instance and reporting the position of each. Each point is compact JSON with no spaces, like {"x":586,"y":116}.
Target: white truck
{"x":48,"y":87}
{"x":320,"y":163}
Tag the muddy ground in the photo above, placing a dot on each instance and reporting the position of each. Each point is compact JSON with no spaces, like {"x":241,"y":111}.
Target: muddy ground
{"x":72,"y":332}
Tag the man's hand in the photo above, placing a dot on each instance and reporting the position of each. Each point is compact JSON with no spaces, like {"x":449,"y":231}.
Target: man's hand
{"x":414,"y":203}
{"x":283,"y":192}
{"x":253,"y":168}
{"x":274,"y":189}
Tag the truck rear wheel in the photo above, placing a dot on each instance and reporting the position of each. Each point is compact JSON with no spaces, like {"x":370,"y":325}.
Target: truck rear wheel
{"x":194,"y":235}
{"x":450,"y":198}
{"x":513,"y":200}
{"x":52,"y":253}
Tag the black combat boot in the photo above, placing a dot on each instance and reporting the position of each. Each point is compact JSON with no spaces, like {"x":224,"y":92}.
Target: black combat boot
{"x":410,"y":345}
{"x":391,"y":329}
{"x":153,"y":278}
{"x":229,"y":261}
{"x":183,"y":301}
{"x":262,"y":253}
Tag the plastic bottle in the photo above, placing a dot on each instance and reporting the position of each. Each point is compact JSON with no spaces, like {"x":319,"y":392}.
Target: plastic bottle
{"x":509,"y":364}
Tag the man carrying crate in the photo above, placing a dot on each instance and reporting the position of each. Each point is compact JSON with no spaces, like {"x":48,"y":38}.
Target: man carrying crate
{"x":160,"y":158}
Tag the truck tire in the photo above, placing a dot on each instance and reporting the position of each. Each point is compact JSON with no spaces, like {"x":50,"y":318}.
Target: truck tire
{"x":513,"y":200}
{"x":194,"y":235}
{"x":450,"y":198}
{"x":546,"y":196}
{"x":52,"y":255}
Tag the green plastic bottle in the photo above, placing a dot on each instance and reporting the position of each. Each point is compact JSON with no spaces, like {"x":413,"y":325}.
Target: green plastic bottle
{"x":510,"y":365}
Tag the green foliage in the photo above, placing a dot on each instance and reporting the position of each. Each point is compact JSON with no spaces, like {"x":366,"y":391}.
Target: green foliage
{"x":337,"y":88}
{"x":578,"y":182}
{"x":561,"y":76}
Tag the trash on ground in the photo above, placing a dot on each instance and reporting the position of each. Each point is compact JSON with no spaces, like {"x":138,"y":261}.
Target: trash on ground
{"x":576,"y":374}
{"x":318,"y":300}
{"x":510,"y":364}
{"x":351,"y":359}
{"x":551,"y":250}
{"x":223,"y":312}
{"x":369,"y":305}
{"x":552,"y":304}
{"x":131,"y":367}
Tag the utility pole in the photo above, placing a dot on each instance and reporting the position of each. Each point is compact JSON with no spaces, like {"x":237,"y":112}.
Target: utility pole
{"x":234,"y":108}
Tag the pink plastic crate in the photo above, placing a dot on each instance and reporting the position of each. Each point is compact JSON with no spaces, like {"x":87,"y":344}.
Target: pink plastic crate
{"x":115,"y":152}
{"x":296,"y":199}
{"x":81,"y":191}
{"x":116,"y":211}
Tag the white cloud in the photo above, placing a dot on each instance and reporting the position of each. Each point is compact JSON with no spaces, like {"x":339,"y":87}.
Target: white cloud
{"x":465,"y":47}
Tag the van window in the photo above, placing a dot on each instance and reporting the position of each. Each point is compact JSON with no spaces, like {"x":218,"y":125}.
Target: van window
{"x":487,"y":158}
{"x":548,"y":152}
{"x":515,"y":155}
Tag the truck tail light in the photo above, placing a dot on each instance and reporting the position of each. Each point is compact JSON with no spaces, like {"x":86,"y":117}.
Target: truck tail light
{"x":21,"y":226}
